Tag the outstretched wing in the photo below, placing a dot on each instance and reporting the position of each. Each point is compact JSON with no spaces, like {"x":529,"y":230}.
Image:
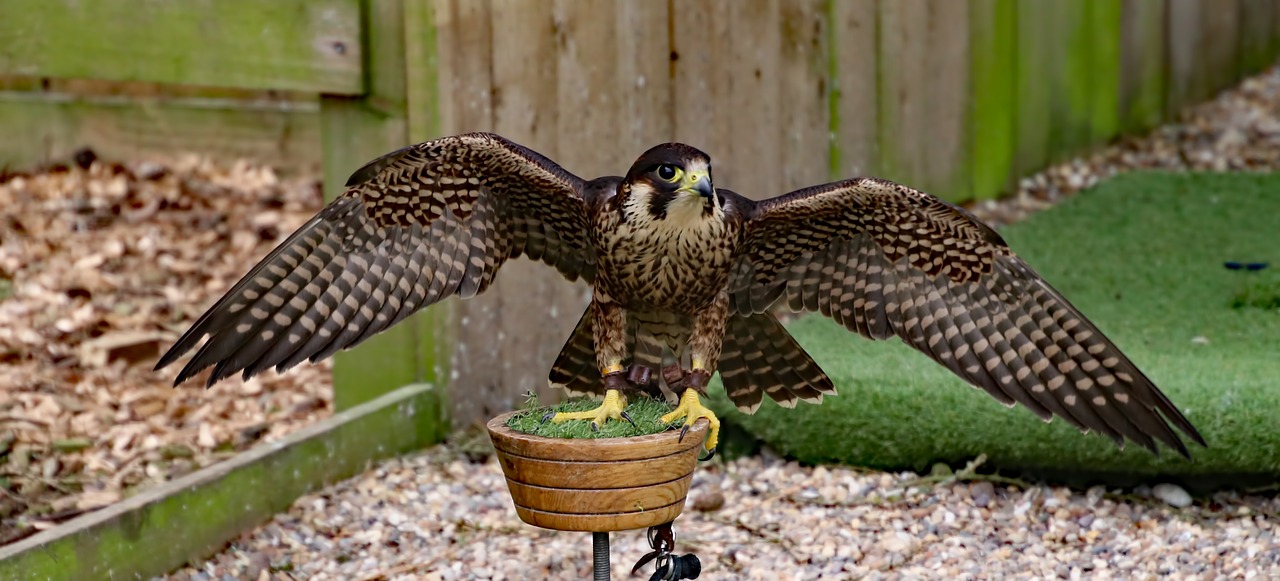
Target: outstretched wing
{"x":414,"y":227}
{"x":883,"y":259}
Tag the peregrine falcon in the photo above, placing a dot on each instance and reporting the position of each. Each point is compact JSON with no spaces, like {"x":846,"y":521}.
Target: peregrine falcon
{"x":683,"y":278}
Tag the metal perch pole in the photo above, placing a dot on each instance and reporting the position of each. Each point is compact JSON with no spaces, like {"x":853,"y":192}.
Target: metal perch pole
{"x":600,"y":554}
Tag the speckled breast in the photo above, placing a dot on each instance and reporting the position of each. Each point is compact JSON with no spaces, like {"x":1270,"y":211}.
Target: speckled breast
{"x":655,"y":269}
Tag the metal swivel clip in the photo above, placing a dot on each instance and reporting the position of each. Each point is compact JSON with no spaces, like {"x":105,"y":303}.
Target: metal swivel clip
{"x":662,"y":539}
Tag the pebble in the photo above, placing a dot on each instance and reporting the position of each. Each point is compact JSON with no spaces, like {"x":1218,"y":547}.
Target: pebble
{"x":1172,"y":494}
{"x":441,"y":515}
{"x":982,"y":493}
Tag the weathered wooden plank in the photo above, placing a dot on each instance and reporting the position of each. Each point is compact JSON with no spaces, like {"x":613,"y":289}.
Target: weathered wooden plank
{"x":304,"y":45}
{"x":281,"y":133}
{"x":804,"y":85}
{"x":751,"y":84}
{"x":1220,"y":54}
{"x":1104,"y":30}
{"x":469,"y":94}
{"x":644,"y":71}
{"x":1185,"y":37}
{"x":1070,"y":108}
{"x":700,"y":41}
{"x":1037,"y":54}
{"x":510,"y":337}
{"x":1142,"y":64}
{"x":747,"y":158}
{"x":354,"y":131}
{"x":1275,"y":33}
{"x":544,"y":96}
{"x":1257,"y":45}
{"x":162,"y":528}
{"x":464,"y":31}
{"x":1203,"y":45}
{"x":924,"y":89}
{"x":589,"y":89}
{"x":855,"y":95}
{"x":422,"y":104}
{"x":993,"y":41}
{"x":613,"y":103}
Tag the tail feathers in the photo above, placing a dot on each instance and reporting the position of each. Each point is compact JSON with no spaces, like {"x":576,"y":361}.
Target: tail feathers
{"x":575,"y":368}
{"x":760,"y":357}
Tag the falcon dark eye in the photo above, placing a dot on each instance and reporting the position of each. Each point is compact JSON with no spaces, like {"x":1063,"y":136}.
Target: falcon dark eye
{"x":668,"y":172}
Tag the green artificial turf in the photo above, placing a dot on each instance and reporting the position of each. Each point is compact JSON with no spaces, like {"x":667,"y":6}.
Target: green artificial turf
{"x":644,"y":411}
{"x":1143,"y":257}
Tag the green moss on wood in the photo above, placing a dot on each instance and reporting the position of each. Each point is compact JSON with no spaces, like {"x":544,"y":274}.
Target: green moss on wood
{"x":1034,"y":92}
{"x":1142,"y":65}
{"x":301,"y":45}
{"x":1103,"y":23}
{"x":1072,"y":79}
{"x":992,"y":46}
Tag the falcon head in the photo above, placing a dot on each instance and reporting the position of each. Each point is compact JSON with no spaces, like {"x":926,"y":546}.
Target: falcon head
{"x":671,"y":183}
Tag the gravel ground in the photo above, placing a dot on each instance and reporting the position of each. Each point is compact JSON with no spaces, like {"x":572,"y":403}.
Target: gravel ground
{"x":440,"y":515}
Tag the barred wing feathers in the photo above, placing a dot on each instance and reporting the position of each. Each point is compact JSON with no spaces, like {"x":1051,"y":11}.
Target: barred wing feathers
{"x":415,"y":226}
{"x":886,"y":260}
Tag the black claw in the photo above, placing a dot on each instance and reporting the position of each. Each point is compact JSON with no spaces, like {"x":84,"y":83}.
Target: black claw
{"x":546,"y":418}
{"x":627,"y":416}
{"x":710,"y":454}
{"x":595,"y":427}
{"x":683,"y":431}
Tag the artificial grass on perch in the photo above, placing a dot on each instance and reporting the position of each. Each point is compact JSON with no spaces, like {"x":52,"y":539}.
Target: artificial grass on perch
{"x":645,"y":413}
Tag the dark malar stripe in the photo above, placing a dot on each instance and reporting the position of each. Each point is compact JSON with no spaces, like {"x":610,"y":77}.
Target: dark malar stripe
{"x":658,"y":202}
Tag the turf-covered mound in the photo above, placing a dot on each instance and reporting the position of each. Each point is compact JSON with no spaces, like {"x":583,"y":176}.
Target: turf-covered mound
{"x":1142,"y":256}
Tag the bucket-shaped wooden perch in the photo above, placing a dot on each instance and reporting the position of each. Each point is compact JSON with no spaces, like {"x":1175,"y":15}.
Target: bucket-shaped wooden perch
{"x":597,"y":485}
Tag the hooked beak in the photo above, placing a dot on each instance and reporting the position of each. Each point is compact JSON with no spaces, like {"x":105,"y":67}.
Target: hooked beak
{"x":698,"y":183}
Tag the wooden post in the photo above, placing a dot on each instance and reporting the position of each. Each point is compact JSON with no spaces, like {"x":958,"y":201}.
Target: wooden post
{"x":396,"y":109}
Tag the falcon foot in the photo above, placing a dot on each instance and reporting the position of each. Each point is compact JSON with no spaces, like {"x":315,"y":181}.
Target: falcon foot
{"x":614,"y":407}
{"x":691,"y":409}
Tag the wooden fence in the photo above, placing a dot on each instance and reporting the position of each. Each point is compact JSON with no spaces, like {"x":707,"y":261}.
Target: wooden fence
{"x":956,"y":97}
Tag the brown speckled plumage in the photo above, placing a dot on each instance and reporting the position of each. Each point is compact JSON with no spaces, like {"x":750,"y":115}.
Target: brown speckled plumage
{"x":679,"y":275}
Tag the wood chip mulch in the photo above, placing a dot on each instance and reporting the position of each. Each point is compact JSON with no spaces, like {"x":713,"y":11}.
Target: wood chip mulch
{"x":102,"y":266}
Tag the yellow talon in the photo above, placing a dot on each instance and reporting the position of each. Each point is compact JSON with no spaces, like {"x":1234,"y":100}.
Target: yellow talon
{"x":691,"y":409}
{"x":613,"y":407}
